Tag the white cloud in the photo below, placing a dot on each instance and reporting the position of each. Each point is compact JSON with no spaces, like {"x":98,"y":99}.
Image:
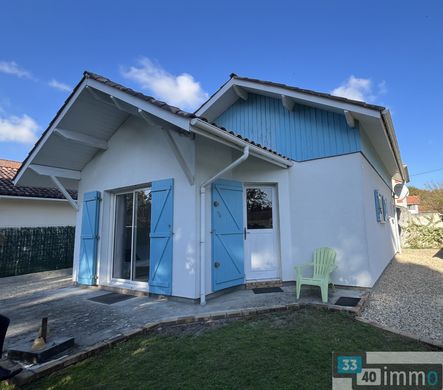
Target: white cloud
{"x":11,"y":67}
{"x":360,"y":89}
{"x":382,"y":89}
{"x":18,"y":129}
{"x":355,"y":88}
{"x":59,"y":85}
{"x":182,"y":90}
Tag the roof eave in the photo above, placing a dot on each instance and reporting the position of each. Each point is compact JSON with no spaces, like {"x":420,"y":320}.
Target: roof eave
{"x":58,"y":116}
{"x":389,"y":128}
{"x":180,"y":118}
{"x":204,"y":128}
{"x":298,"y":94}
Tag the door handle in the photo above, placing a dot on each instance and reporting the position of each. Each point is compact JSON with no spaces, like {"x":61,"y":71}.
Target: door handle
{"x":216,"y":264}
{"x":244,"y":233}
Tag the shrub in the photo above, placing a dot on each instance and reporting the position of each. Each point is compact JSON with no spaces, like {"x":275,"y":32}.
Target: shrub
{"x":421,"y":237}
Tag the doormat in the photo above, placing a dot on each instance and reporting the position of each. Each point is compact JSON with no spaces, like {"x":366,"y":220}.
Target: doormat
{"x":109,"y":299}
{"x":347,"y":301}
{"x":266,"y":290}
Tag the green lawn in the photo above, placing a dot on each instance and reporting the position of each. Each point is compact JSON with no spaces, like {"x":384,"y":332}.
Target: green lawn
{"x":287,"y":350}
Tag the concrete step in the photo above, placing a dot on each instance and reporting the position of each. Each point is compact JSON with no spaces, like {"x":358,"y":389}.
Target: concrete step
{"x":264,"y":283}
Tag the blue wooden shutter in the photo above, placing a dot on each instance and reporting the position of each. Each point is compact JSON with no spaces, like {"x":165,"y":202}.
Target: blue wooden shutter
{"x":377,"y":206}
{"x":227,"y":234}
{"x":89,"y":238}
{"x":385,"y":209}
{"x":160,"y":273}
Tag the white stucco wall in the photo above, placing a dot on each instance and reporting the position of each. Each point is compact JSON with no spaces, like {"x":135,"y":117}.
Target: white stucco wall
{"x":324,"y":202}
{"x":382,"y":237}
{"x":139,"y":154}
{"x":333,"y":205}
{"x":326,"y":210}
{"x":36,"y":213}
{"x":211,"y":157}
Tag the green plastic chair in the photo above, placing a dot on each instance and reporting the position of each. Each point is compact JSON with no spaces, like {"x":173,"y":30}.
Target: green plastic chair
{"x":323,"y":262}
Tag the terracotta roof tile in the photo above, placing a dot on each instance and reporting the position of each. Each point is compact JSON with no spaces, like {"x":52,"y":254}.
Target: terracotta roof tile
{"x":8,"y":169}
{"x":413,"y":199}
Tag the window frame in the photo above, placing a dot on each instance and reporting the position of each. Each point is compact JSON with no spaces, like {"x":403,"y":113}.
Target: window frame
{"x":125,"y":191}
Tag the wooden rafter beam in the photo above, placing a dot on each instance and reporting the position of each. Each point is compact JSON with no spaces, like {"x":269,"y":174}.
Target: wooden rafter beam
{"x":350,"y":120}
{"x":240,"y":92}
{"x":117,"y":103}
{"x":82,"y":138}
{"x":53,"y":171}
{"x":287,"y":102}
{"x":179,"y":156}
{"x":147,"y":118}
{"x":65,"y":193}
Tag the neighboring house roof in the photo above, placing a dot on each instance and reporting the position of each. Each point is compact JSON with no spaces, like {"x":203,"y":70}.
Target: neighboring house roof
{"x":8,"y":169}
{"x":413,"y":199}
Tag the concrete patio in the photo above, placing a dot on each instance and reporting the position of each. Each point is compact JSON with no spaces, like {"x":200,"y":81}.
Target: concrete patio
{"x":26,"y":299}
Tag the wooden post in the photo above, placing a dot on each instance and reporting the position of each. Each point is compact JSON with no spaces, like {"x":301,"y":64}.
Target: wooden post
{"x":44,"y":329}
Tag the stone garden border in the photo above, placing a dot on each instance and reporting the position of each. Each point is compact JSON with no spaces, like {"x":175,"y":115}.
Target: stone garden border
{"x":33,"y":373}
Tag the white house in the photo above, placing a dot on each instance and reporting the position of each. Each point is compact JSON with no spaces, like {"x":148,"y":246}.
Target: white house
{"x":188,"y":204}
{"x":31,"y":207}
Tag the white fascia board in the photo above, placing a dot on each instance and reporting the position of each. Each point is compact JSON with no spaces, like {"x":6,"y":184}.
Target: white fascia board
{"x":141,"y":104}
{"x":49,"y":132}
{"x":201,"y":111}
{"x":390,"y":136}
{"x":11,"y":197}
{"x":299,"y":97}
{"x":305,"y":97}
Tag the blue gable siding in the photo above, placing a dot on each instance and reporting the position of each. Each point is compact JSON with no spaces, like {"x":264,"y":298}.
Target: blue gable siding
{"x":302,"y":134}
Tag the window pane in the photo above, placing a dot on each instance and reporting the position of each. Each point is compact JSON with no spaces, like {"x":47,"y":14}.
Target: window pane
{"x":141,"y":237}
{"x":259,"y":208}
{"x":123,"y":236}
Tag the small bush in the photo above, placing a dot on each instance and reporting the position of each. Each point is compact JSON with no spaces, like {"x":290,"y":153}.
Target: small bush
{"x":422,"y":237}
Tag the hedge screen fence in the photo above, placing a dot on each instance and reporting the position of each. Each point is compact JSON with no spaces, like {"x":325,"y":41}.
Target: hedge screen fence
{"x":26,"y":250}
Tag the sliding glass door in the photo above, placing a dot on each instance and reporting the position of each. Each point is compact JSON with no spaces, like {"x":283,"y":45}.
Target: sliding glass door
{"x":131,"y":235}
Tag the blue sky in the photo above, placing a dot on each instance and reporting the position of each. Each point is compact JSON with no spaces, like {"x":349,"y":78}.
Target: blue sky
{"x":386,"y":52}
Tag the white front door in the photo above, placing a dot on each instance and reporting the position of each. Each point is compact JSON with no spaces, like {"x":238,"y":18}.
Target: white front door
{"x":261,"y":249}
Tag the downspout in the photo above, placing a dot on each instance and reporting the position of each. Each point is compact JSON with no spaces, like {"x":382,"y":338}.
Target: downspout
{"x":242,"y":158}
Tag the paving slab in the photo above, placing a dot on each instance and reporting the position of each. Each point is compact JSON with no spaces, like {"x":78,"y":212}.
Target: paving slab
{"x":71,"y":313}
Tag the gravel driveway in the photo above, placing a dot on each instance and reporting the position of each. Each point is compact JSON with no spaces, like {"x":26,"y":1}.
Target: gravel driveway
{"x":409,"y":295}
